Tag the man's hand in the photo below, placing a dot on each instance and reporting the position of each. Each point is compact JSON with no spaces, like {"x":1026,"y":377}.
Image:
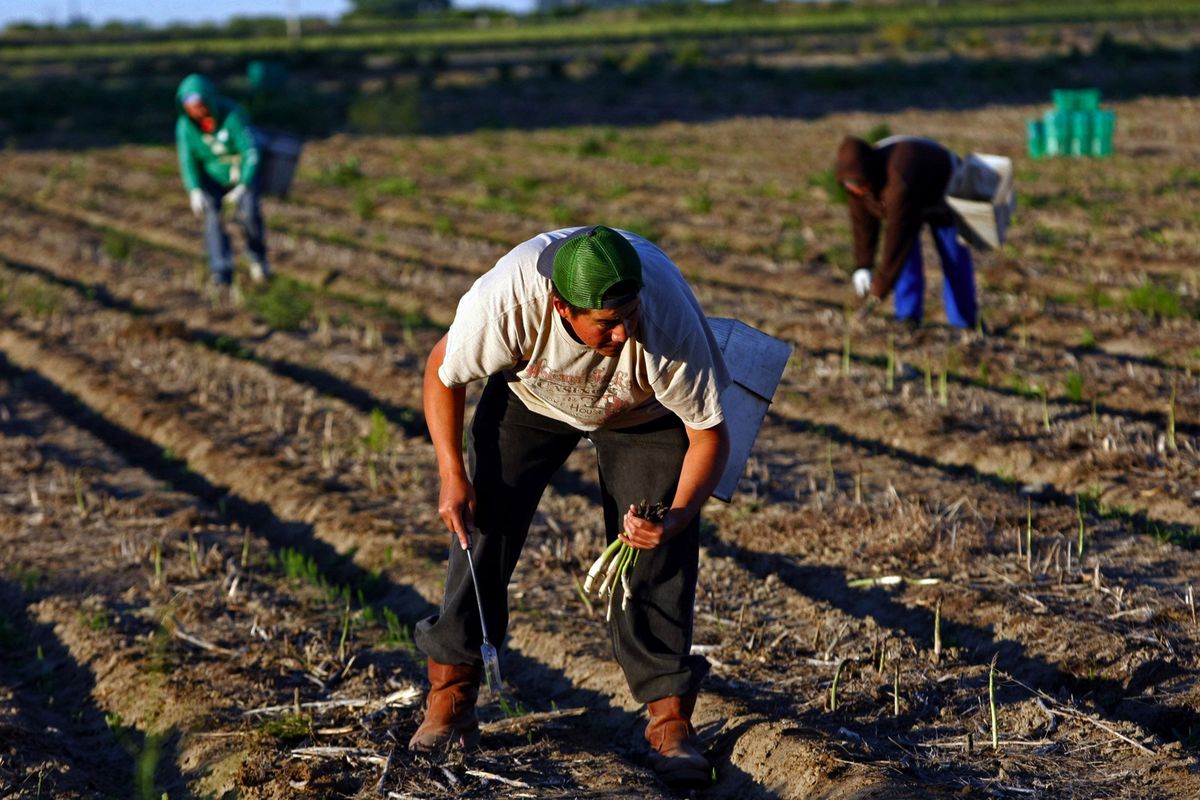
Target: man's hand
{"x":235,"y":195}
{"x":645,"y":535}
{"x":456,"y":507}
{"x":198,"y":201}
{"x":862,"y":282}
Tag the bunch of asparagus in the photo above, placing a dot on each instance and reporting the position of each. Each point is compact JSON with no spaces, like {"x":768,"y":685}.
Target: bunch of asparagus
{"x":613,"y":565}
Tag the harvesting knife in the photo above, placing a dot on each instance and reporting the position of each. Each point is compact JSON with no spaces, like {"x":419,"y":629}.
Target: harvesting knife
{"x":491,"y":660}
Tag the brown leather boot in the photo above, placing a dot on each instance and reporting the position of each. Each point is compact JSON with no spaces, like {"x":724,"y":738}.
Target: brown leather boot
{"x":450,"y":719}
{"x":676,"y":758}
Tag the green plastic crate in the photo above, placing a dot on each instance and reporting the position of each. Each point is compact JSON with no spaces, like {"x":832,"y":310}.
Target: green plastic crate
{"x":1035,"y":131}
{"x":1104,"y":123}
{"x":1068,"y":100}
{"x":1081,"y":133}
{"x":1058,"y":133}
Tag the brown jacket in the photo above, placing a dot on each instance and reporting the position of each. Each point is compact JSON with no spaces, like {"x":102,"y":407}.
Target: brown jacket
{"x":907,"y":181}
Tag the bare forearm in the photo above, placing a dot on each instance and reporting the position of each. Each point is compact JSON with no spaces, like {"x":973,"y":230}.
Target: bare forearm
{"x":444,"y":415}
{"x":703,"y":465}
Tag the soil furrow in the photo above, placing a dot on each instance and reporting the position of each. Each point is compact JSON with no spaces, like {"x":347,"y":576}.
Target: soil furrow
{"x":161,"y":694}
{"x":251,"y":478}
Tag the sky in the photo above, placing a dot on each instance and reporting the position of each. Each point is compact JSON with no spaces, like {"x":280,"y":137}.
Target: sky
{"x":160,"y":12}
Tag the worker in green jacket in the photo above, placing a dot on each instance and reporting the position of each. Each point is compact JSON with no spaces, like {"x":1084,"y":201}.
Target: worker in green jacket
{"x":218,"y":160}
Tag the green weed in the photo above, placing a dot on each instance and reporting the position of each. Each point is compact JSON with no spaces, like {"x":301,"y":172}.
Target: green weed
{"x":905,"y":35}
{"x":526,"y":184}
{"x":378,"y":437}
{"x":40,"y":300}
{"x":827,"y":181}
{"x":638,"y":62}
{"x":688,"y":56}
{"x":396,"y":634}
{"x":562,"y":215}
{"x":1158,"y":302}
{"x":230,"y":347}
{"x":117,"y":245}
{"x":1023,"y":387}
{"x":590,"y":146}
{"x":1073,"y":388}
{"x":288,"y":728}
{"x":878,"y":133}
{"x":699,"y":203}
{"x":346,"y":172}
{"x":300,"y":568}
{"x":399,"y":187}
{"x":512,"y":710}
{"x":363,"y":206}
{"x":1153,"y":235}
{"x":285,"y":304}
{"x":95,"y":620}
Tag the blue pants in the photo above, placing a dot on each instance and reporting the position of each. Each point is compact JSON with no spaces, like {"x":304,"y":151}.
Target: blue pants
{"x":216,"y":242}
{"x":958,"y":283}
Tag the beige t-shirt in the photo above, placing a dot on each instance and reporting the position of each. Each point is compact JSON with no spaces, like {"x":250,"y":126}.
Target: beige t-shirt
{"x":506,"y":323}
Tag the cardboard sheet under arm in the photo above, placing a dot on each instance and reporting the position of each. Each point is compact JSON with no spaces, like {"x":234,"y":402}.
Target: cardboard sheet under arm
{"x":756,"y":362}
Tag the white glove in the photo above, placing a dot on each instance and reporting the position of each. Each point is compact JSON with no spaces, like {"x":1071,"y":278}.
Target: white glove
{"x":235,"y":195}
{"x":862,"y":282}
{"x":198,"y":201}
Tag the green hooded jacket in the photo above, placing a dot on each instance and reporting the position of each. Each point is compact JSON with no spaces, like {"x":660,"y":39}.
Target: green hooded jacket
{"x":229,"y":154}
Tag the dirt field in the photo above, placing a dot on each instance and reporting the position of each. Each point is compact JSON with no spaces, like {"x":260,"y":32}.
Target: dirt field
{"x":217,"y":521}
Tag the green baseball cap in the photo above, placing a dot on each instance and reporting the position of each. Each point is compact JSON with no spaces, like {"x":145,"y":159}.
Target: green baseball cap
{"x":589,"y":262}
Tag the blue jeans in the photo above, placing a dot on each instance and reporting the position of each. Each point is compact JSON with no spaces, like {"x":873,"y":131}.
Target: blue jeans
{"x":216,"y":242}
{"x":958,"y":283}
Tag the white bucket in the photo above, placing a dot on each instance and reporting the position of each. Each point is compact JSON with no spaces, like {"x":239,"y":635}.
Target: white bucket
{"x":982,"y":197}
{"x":756,"y":362}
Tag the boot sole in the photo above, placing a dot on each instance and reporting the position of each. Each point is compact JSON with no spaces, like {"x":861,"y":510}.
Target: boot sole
{"x":467,"y":740}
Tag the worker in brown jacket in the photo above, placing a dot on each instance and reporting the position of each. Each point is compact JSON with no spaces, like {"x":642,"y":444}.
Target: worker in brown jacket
{"x":902,"y":181}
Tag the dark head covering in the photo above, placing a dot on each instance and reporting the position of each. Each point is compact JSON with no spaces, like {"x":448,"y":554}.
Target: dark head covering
{"x":855,"y":162}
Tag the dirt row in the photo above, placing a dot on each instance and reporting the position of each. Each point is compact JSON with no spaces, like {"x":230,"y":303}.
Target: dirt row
{"x":207,"y":445}
{"x":159,"y":626}
{"x":557,"y":650}
{"x":395,"y":260}
{"x":1116,"y":454}
{"x":1019,"y":301}
{"x":142,"y":626}
{"x":755,"y":191}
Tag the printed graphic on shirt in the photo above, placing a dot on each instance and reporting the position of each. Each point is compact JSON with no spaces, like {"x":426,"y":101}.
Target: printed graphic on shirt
{"x":592,"y":398}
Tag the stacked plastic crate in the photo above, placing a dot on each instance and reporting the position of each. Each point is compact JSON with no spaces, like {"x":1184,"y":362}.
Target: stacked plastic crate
{"x":1076,"y":126}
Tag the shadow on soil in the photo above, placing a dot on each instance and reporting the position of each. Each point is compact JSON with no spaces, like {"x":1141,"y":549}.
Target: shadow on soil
{"x":543,"y":685}
{"x":1113,"y":699}
{"x":77,"y":109}
{"x":406,"y":419}
{"x":88,"y":753}
{"x":148,"y":456}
